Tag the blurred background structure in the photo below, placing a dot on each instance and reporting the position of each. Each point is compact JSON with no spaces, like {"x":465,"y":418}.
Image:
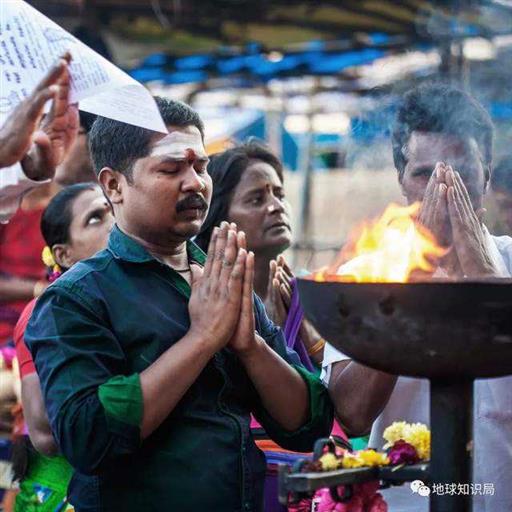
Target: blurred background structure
{"x":318,"y":80}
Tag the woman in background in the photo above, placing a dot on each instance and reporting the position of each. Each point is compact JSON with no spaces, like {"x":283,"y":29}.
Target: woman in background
{"x":22,"y":274}
{"x":248,"y":189}
{"x":75,"y":225}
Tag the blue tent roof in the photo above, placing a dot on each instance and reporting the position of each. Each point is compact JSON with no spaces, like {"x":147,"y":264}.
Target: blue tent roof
{"x":313,"y":58}
{"x":340,"y":61}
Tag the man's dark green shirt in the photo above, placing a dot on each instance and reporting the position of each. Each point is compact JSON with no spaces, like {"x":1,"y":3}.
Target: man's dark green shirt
{"x":91,"y":335}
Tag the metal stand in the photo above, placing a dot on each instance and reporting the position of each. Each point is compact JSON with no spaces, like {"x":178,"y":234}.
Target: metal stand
{"x":304,"y":484}
{"x":451,"y":417}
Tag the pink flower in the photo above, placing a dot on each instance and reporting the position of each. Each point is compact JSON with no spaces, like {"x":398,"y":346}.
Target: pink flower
{"x":7,"y":354}
{"x":403,"y":453}
{"x":303,"y":505}
{"x":377,"y":504}
{"x":327,"y":504}
{"x":367,"y":490}
{"x":53,"y":276}
{"x":356,"y":504}
{"x":365,"y":499}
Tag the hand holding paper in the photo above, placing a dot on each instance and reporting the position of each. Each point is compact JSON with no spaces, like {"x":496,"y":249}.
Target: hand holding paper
{"x":30,"y":43}
{"x":20,"y":131}
{"x":58,"y":131}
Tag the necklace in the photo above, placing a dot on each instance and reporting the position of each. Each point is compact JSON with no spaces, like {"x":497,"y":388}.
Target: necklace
{"x":181,"y":270}
{"x":168,"y":264}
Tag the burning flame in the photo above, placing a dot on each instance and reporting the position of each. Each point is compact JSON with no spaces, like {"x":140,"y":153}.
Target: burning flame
{"x":386,"y":250}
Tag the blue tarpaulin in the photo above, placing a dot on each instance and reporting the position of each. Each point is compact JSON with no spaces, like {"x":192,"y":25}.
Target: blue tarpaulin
{"x":314,"y":58}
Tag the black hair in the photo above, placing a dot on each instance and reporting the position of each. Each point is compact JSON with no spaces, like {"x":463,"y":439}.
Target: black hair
{"x":440,"y":108}
{"x":86,"y":120}
{"x":226,"y":170}
{"x":502,"y":175}
{"x":118,"y":145}
{"x":57,"y":216}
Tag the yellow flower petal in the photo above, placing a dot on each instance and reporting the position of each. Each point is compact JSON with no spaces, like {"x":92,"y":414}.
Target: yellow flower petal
{"x":416,"y":434}
{"x":364,"y":458}
{"x":329,"y":462}
{"x":47,"y":257}
{"x":351,"y":461}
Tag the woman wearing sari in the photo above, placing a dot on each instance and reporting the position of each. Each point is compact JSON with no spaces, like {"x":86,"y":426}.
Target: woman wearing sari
{"x":75,"y":226}
{"x":248,"y":189}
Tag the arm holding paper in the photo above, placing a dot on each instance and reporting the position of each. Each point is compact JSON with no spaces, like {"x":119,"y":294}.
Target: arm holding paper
{"x":30,"y":150}
{"x":28,"y":155}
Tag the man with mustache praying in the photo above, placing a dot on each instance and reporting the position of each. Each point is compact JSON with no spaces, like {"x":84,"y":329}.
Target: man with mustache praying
{"x":442,"y":148}
{"x":152,"y":355}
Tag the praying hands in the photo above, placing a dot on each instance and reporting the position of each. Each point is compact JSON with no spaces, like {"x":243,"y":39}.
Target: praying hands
{"x":278,"y":303}
{"x":434,"y":212}
{"x":469,"y":240}
{"x":448,"y":213}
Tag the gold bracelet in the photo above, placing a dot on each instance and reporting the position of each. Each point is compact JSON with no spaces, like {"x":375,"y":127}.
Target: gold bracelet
{"x":319,"y":345}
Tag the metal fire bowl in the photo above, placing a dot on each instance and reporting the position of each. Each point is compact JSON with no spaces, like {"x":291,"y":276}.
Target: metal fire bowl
{"x":439,"y":330}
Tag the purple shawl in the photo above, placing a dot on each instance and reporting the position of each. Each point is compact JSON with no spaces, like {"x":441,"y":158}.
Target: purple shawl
{"x":292,"y":326}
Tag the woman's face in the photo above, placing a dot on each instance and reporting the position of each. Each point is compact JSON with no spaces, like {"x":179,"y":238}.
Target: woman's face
{"x":260,"y":209}
{"x":90,"y":227}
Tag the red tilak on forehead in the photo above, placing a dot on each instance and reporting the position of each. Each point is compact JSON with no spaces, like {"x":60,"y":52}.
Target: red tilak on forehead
{"x":190,"y":154}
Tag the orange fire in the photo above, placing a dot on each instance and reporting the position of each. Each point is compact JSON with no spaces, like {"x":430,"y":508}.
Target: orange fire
{"x":386,"y":250}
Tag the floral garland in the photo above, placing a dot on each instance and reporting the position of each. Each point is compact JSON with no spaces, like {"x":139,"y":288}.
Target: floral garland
{"x":54,"y":269}
{"x":406,"y":441}
{"x":365,"y":498}
{"x":405,"y":444}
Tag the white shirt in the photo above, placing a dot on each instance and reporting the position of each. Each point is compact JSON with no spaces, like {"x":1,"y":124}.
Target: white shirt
{"x":492,"y":419}
{"x":13,"y":186}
